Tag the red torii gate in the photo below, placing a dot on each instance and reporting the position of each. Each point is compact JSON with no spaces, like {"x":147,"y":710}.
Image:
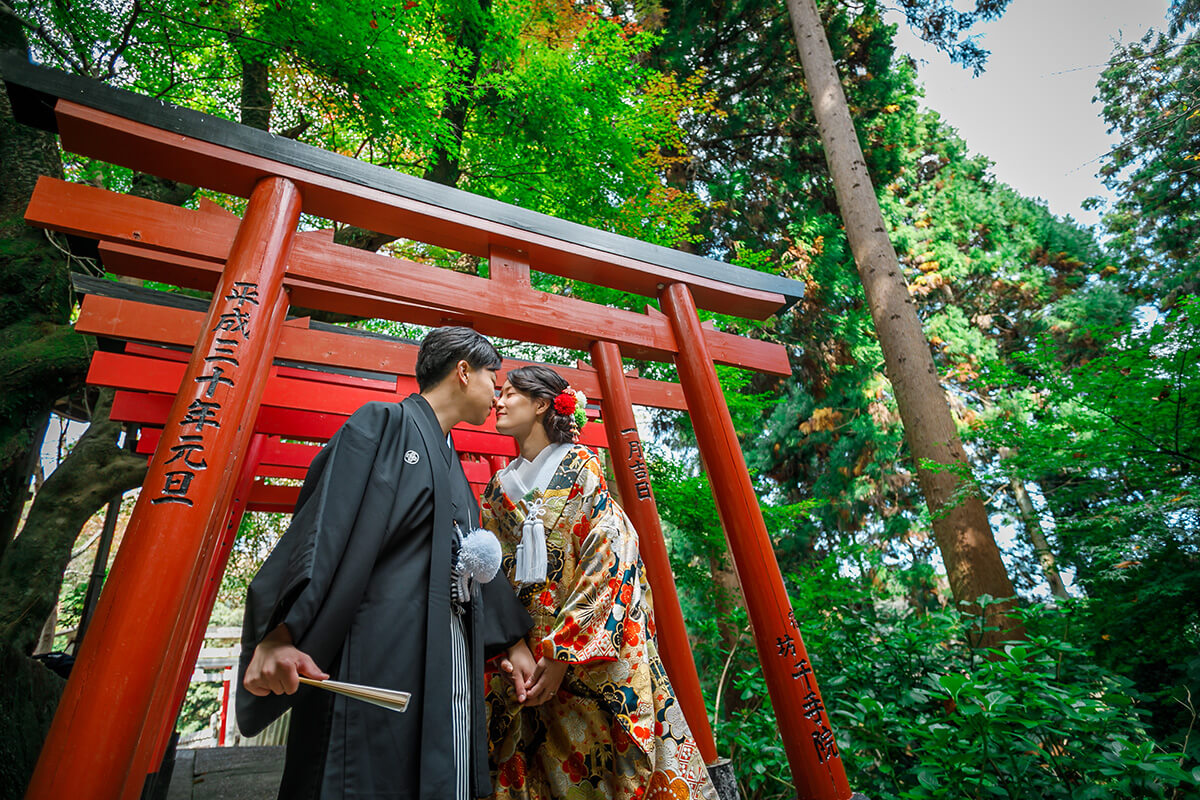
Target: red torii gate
{"x":299,"y":403}
{"x":150,"y":616}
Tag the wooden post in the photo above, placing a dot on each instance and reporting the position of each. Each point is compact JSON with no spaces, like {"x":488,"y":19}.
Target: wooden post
{"x":817,"y":770}
{"x":90,"y":750}
{"x":228,"y":676}
{"x":99,"y":566}
{"x":188,"y":636}
{"x":170,"y":698}
{"x":629,"y":467}
{"x":509,"y":266}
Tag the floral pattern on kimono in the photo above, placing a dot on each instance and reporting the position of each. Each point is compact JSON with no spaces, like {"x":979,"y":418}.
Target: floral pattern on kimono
{"x":615,"y":729}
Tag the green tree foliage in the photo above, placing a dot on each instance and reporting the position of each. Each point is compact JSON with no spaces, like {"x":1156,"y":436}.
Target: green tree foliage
{"x":547,"y":105}
{"x":759,"y":160}
{"x":945,"y":26}
{"x":981,"y":260}
{"x":1113,"y":443}
{"x":1151,"y":97}
{"x":996,"y":278}
{"x":983,"y":265}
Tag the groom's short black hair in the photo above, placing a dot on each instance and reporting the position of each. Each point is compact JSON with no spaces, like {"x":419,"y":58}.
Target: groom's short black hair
{"x":445,"y":347}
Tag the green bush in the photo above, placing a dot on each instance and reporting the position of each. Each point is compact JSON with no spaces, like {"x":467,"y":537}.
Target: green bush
{"x":202,"y":701}
{"x":919,"y":715}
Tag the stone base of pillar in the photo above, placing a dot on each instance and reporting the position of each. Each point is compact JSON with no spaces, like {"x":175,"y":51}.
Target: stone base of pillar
{"x":721,"y":772}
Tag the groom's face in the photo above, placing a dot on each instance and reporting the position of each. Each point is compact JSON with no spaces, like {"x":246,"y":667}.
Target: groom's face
{"x":480,"y":394}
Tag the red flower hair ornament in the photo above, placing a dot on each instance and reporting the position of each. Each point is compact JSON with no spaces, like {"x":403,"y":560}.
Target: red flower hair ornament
{"x":565,"y":402}
{"x":572,"y":403}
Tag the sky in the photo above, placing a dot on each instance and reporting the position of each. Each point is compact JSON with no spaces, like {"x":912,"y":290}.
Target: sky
{"x":1031,"y":111}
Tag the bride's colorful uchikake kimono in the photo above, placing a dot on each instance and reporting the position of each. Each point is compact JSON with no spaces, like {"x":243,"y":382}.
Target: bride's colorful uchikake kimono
{"x":614,"y":730}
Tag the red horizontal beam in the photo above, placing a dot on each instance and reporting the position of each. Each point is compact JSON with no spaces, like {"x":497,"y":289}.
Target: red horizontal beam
{"x":156,"y":375}
{"x":291,"y":460}
{"x":145,"y":408}
{"x":276,"y":499}
{"x":477,"y":471}
{"x":488,"y":444}
{"x":275,"y":471}
{"x":294,"y":409}
{"x":265,"y":497}
{"x":144,"y":322}
{"x":109,"y":137}
{"x":275,"y":453}
{"x":269,"y":497}
{"x":141,"y":408}
{"x":337,"y":278}
{"x":290,"y":455}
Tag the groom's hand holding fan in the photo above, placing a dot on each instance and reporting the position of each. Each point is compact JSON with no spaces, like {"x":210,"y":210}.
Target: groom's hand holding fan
{"x":278,"y":665}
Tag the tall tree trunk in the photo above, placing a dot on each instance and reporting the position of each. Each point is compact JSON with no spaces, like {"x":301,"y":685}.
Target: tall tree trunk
{"x":31,"y":573}
{"x":961,"y":525}
{"x":257,"y":99}
{"x":41,"y":360}
{"x":446,"y":165}
{"x":28,"y":696}
{"x":1033,"y":529}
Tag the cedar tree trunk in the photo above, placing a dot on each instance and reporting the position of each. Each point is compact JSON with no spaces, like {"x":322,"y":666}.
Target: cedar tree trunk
{"x":961,"y":525}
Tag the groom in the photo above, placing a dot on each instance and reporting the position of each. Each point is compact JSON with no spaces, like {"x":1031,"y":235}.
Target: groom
{"x":359,"y":589}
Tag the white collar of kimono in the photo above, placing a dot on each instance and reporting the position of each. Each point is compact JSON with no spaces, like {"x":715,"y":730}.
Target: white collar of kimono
{"x":522,"y":477}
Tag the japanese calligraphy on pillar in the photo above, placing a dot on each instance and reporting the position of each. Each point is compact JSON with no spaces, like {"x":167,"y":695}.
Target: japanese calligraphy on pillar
{"x":637,"y":463}
{"x":811,"y":705}
{"x":203,"y":415}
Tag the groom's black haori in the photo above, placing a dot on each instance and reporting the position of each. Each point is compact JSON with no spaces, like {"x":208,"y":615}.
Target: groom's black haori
{"x":362,"y":580}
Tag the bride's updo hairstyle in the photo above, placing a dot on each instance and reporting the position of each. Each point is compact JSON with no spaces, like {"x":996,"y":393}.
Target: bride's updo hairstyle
{"x":543,"y":383}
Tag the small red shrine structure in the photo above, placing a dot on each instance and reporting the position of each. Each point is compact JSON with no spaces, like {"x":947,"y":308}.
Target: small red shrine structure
{"x":221,"y":393}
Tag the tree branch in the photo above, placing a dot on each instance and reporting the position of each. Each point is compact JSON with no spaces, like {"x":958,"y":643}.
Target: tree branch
{"x":123,"y":41}
{"x":43,"y":36}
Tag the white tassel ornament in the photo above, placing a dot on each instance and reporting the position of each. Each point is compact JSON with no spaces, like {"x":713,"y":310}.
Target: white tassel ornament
{"x":531,"y":552}
{"x":479,"y":557}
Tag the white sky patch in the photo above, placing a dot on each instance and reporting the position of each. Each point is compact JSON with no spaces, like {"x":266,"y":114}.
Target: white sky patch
{"x":1031,"y":111}
{"x":61,"y":436}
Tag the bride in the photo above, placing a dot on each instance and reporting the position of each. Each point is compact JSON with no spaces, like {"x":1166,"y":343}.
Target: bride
{"x":599,"y":718}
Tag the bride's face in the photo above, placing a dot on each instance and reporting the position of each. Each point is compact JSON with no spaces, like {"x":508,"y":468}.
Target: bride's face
{"x":517,"y":413}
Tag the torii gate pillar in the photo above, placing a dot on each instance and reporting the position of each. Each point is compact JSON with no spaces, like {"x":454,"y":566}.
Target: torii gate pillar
{"x":625,"y":447}
{"x":97,"y":745}
{"x":817,"y":770}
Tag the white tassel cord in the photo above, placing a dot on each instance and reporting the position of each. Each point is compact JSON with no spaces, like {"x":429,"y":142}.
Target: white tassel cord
{"x":531,"y":552}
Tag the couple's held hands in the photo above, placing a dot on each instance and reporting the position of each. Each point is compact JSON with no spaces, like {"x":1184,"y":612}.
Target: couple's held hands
{"x":534,"y":682}
{"x":547,"y":677}
{"x":518,"y":665}
{"x":278,"y":665}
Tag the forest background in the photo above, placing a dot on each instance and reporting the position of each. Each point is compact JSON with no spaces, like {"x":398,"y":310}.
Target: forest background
{"x":1070,"y":355}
